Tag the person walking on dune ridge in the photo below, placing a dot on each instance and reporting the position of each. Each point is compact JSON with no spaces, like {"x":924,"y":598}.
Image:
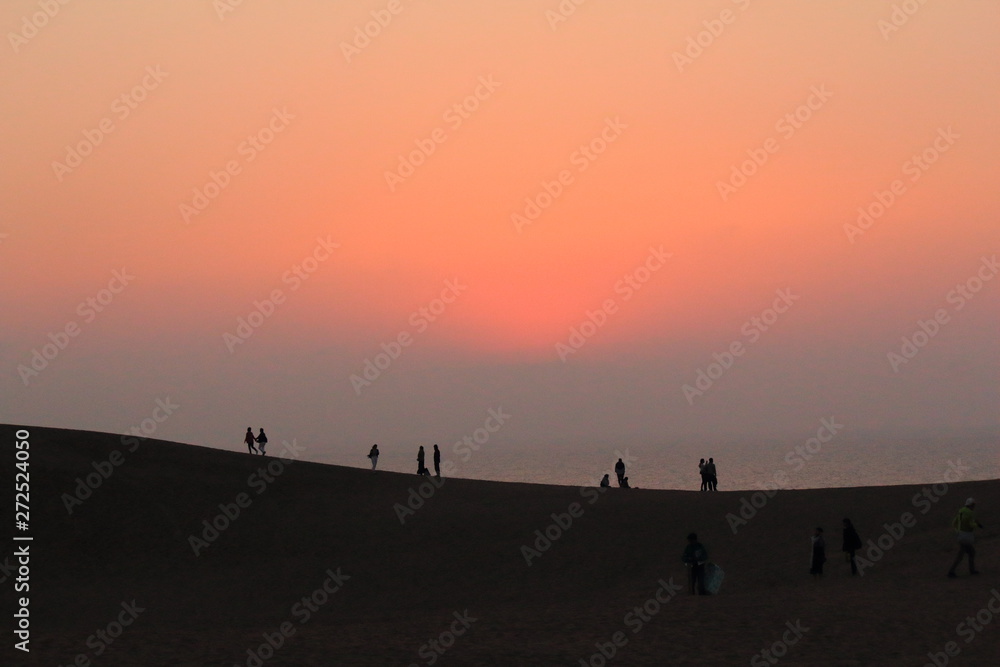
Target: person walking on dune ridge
{"x":373,"y":456}
{"x":965,"y":523}
{"x":262,"y":441}
{"x":249,"y":439}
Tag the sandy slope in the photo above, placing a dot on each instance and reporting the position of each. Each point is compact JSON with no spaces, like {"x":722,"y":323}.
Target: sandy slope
{"x":459,"y":556}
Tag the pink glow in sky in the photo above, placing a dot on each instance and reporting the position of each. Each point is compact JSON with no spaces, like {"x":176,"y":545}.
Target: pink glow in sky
{"x":572,"y":214}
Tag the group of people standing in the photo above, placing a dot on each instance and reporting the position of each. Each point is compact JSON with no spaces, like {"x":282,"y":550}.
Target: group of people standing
{"x":421,"y":468}
{"x":696,"y":556}
{"x":620,"y":473}
{"x":709,"y":476}
{"x":260,"y":440}
{"x":964,"y":524}
{"x":851,"y":544}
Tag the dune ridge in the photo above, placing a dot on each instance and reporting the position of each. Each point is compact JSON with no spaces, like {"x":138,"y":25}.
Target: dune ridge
{"x":236,"y":559}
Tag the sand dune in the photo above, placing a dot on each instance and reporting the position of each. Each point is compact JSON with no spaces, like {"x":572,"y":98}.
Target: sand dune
{"x":319,"y":560}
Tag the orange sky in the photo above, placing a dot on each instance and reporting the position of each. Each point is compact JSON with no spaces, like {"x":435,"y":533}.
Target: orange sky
{"x":175,"y":92}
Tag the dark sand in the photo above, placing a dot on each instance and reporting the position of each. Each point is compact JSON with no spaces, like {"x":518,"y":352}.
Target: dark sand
{"x":462,"y":551}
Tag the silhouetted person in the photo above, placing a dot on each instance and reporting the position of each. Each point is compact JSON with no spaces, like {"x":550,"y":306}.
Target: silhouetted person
{"x":695,"y":556}
{"x":712,"y":475}
{"x":262,"y":440}
{"x":421,"y":468}
{"x":373,"y":455}
{"x":249,"y":439}
{"x":437,"y":461}
{"x":852,"y":542}
{"x":605,"y":482}
{"x":624,"y":483}
{"x":704,"y":476}
{"x":818,"y":554}
{"x":620,"y":471}
{"x":965,"y":522}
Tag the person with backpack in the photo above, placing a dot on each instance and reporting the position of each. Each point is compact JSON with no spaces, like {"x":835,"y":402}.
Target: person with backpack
{"x":262,"y":441}
{"x":965,"y":523}
{"x":373,"y":456}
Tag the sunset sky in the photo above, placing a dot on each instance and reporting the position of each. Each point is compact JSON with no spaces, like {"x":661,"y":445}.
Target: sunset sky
{"x":668,"y":170}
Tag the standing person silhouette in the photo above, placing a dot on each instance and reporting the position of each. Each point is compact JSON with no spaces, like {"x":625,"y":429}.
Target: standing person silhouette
{"x":852,"y":542}
{"x":437,"y":462}
{"x":620,"y":471}
{"x":249,"y":439}
{"x":712,"y":475}
{"x":262,"y":440}
{"x":373,"y":455}
{"x":704,"y":477}
{"x":818,"y":554}
{"x":421,"y":468}
{"x":695,"y":556}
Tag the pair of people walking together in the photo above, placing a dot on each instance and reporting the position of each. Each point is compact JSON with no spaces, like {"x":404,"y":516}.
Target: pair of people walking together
{"x":260,"y":440}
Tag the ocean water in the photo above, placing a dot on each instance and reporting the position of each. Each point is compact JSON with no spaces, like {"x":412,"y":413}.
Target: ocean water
{"x":794,"y":464}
